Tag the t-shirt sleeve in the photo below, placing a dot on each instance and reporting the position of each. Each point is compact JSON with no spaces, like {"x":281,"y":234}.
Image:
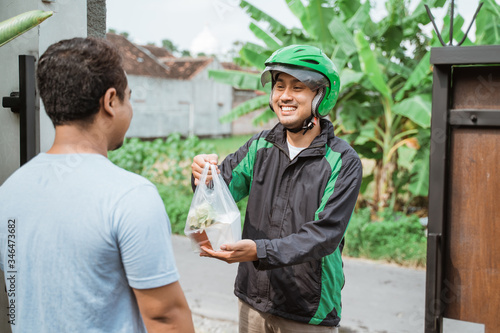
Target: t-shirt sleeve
{"x":143,"y":234}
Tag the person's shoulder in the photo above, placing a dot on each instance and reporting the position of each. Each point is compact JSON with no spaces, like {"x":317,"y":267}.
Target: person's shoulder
{"x":120,"y":175}
{"x":20,"y":173}
{"x":262,"y":135}
{"x":342,"y":147}
{"x":255,"y":141}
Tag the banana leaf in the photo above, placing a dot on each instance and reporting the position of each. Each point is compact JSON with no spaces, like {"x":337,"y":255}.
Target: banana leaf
{"x":339,"y":57}
{"x":265,"y":37}
{"x":365,"y":182}
{"x":315,"y":19}
{"x":420,"y":72}
{"x":17,"y":25}
{"x":366,"y":133}
{"x":419,"y":15}
{"x":406,"y":156}
{"x":348,"y":77}
{"x":320,"y":14}
{"x":488,"y":24}
{"x":256,"y":47}
{"x":253,"y":104}
{"x":416,"y":108}
{"x":458,"y":34}
{"x":395,"y":68}
{"x":255,"y":58}
{"x":361,"y":17}
{"x":238,"y":79}
{"x":349,"y":8}
{"x":370,"y":66}
{"x":263,"y":117}
{"x":299,"y":10}
{"x":419,"y":182}
{"x":276,"y":28}
{"x":342,"y":36}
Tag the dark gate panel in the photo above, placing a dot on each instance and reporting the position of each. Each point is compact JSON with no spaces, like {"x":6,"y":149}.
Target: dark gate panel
{"x":463,"y":251}
{"x":476,"y":87}
{"x":472,"y":264}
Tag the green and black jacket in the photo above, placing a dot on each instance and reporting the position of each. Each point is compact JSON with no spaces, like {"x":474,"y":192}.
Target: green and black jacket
{"x":297,"y":213}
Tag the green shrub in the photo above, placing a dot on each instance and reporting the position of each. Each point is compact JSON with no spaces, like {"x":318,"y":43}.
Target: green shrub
{"x":164,"y":161}
{"x":177,"y":200}
{"x":395,"y":238}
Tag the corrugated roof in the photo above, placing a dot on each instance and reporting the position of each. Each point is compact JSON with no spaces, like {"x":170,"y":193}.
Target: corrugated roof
{"x":135,"y":60}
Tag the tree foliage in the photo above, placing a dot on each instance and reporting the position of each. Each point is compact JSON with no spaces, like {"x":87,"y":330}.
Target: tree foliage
{"x":384,"y":103}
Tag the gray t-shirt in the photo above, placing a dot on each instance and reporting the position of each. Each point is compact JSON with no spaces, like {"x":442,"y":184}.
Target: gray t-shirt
{"x":76,"y":232}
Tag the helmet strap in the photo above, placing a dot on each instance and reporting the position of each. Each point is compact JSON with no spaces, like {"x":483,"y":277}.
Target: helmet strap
{"x":306,"y":126}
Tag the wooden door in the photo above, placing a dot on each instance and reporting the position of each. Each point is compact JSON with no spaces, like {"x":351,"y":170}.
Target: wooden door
{"x":471,"y":284}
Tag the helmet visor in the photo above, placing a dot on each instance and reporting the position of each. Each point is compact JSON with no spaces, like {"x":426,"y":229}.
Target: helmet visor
{"x":313,"y":80}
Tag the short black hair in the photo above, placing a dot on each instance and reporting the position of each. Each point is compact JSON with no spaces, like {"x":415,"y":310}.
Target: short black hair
{"x":74,"y":74}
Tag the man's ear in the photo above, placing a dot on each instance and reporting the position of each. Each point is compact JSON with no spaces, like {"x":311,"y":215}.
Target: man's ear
{"x":109,"y":101}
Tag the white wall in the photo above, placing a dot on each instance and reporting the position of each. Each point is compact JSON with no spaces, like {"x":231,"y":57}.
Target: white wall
{"x":69,"y":20}
{"x":213,"y":100}
{"x":159,"y":111}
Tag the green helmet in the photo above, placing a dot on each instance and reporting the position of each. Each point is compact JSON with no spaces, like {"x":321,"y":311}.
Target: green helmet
{"x":311,"y":66}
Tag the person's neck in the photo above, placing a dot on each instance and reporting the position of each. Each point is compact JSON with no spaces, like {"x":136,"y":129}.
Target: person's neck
{"x":72,"y":139}
{"x":300,"y":140}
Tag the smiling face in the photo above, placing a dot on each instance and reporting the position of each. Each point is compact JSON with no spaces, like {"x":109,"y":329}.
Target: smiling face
{"x":291,"y":100}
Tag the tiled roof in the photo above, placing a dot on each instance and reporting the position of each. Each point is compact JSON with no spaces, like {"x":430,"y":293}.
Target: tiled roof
{"x":135,"y":60}
{"x":185,"y":68}
{"x":157,"y":62}
{"x":159,"y":52}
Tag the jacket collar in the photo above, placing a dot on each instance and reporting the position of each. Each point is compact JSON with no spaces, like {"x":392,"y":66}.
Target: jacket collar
{"x":277,"y":136}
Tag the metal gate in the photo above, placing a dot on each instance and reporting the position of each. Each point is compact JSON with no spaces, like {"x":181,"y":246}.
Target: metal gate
{"x":463,"y":252}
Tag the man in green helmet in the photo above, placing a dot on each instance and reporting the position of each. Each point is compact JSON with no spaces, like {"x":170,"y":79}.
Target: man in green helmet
{"x":302,"y":182}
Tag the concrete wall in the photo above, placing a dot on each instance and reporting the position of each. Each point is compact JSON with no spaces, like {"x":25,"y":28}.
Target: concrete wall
{"x":212,"y":100}
{"x":69,"y":20}
{"x":162,"y":107}
{"x":243,"y":125}
{"x":157,"y":112}
{"x":96,"y":18}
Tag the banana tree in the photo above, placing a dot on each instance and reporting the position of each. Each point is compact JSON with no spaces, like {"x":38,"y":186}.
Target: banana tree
{"x":385,"y":100}
{"x":376,"y":68}
{"x":17,"y":25}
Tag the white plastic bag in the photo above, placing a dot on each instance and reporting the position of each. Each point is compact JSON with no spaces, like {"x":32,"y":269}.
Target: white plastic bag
{"x":213,"y":218}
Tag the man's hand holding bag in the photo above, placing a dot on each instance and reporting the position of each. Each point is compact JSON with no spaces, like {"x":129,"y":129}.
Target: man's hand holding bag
{"x":213,"y":218}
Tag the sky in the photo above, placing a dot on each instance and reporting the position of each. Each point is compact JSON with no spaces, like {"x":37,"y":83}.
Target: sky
{"x":212,"y":26}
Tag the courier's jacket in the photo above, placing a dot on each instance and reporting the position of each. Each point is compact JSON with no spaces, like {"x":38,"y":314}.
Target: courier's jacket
{"x":297,"y":213}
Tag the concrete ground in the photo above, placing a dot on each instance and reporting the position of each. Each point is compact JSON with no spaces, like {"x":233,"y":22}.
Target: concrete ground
{"x":377,"y":298}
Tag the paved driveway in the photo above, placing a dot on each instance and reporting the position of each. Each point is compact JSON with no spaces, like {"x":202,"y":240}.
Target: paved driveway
{"x":376,"y":297}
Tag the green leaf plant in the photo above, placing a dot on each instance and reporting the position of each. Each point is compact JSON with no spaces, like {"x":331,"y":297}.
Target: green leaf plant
{"x":384,"y":104}
{"x":17,"y":25}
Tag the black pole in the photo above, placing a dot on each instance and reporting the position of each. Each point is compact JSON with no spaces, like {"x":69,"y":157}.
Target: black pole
{"x":27,"y":118}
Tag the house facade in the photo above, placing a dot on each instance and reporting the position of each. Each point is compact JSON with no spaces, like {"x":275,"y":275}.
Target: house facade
{"x":173,"y":95}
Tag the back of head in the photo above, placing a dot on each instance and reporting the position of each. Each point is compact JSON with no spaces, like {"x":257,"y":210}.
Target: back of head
{"x":74,"y":74}
{"x":311,"y":66}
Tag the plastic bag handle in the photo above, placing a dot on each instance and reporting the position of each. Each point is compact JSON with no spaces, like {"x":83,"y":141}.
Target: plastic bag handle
{"x":217,"y":184}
